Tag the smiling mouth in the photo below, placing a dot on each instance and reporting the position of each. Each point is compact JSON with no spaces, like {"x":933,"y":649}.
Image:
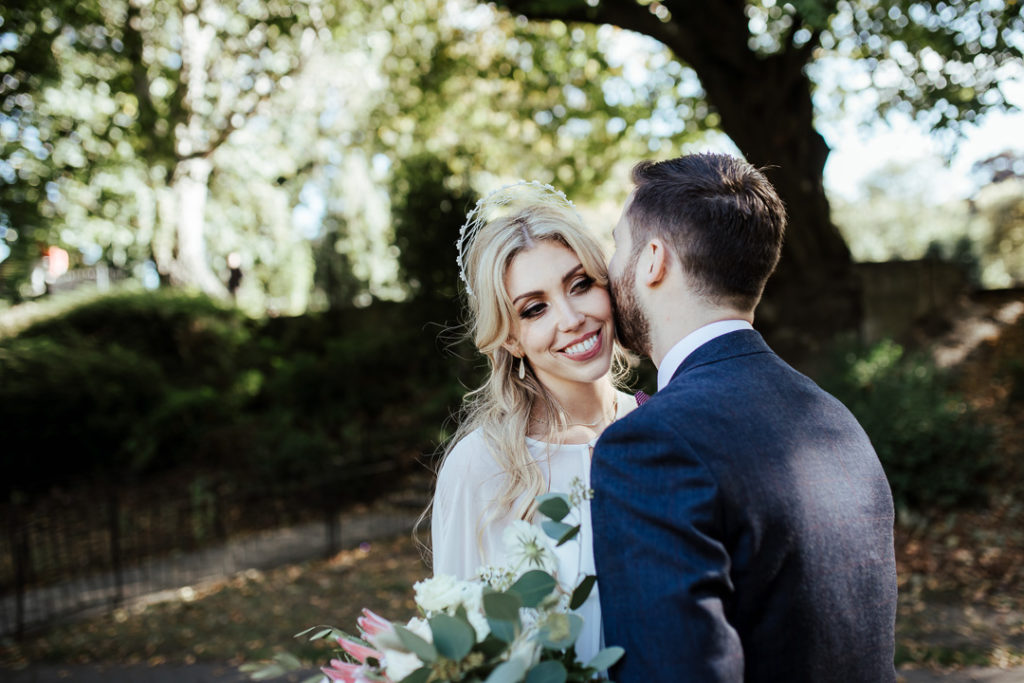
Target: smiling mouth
{"x":585,"y":349}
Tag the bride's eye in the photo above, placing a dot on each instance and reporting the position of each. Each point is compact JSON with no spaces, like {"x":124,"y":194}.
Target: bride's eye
{"x":582,"y":285}
{"x":532,"y":311}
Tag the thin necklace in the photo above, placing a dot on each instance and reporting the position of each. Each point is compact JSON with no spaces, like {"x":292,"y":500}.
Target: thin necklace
{"x":603,"y":418}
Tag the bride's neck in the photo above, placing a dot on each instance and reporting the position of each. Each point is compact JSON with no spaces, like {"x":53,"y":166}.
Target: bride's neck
{"x":586,"y":404}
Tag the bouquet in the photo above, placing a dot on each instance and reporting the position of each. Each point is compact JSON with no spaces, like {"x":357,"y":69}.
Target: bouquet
{"x":511,"y":623}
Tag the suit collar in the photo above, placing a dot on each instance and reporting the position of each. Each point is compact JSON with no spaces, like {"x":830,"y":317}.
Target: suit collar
{"x":693,"y":341}
{"x":731,"y":345}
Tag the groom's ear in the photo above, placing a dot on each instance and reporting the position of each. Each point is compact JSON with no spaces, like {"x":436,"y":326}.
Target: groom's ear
{"x":654,"y":263}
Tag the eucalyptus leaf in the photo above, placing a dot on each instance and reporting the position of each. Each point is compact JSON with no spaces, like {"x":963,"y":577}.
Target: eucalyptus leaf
{"x":533,"y":587}
{"x":561,"y":532}
{"x":416,"y":645}
{"x":503,"y":630}
{"x":582,"y":592}
{"x":555,"y":530}
{"x":554,"y":505}
{"x":421,"y":675}
{"x":511,"y":671}
{"x":453,"y":637}
{"x":492,"y":646}
{"x":550,"y":671}
{"x":606,"y":658}
{"x":502,"y":606}
{"x":502,"y":611}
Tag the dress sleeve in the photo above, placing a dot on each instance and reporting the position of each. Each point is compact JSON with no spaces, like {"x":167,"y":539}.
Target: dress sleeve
{"x":466,"y":484}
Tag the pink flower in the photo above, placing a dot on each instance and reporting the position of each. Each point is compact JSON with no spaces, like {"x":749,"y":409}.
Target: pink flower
{"x":360,"y":652}
{"x":379,"y":631}
{"x":344,"y":672}
{"x":371,"y":624}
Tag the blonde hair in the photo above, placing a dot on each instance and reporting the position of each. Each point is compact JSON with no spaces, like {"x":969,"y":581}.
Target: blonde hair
{"x":501,"y":408}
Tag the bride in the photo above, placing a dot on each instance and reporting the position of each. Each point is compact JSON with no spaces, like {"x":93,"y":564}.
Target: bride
{"x":539,"y":311}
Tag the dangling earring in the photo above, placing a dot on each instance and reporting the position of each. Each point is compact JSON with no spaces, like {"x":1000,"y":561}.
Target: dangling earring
{"x":522,"y":368}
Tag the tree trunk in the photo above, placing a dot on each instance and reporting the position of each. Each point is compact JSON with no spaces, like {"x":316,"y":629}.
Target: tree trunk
{"x":765,"y":106}
{"x":190,"y":181}
{"x":190,"y":267}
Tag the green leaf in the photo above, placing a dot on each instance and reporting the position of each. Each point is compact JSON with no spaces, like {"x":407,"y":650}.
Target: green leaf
{"x":324,"y":632}
{"x":492,"y":646}
{"x":560,"y":531}
{"x":511,"y":671}
{"x":453,"y":637}
{"x":533,"y":587}
{"x":555,"y":530}
{"x":502,"y":611}
{"x":606,"y":658}
{"x":582,"y":592}
{"x":559,"y":635}
{"x":287,"y":660}
{"x":416,"y":645}
{"x":550,"y":671}
{"x":261,"y":672}
{"x":421,"y":675}
{"x":502,"y":606}
{"x":553,"y":505}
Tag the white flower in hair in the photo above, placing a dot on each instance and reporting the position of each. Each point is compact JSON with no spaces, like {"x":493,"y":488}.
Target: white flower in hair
{"x":502,"y":202}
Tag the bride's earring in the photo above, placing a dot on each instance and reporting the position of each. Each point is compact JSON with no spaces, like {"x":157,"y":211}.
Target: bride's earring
{"x":522,"y":368}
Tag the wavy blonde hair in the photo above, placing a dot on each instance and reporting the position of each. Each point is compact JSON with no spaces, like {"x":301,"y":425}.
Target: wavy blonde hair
{"x":501,"y":408}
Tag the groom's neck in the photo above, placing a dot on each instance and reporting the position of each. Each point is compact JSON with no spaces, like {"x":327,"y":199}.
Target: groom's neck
{"x":673,"y":322}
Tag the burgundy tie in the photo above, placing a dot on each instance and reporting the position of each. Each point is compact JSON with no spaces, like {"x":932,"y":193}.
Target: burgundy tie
{"x":641,"y":398}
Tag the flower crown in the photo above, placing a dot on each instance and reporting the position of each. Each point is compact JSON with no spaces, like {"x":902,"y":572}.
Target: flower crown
{"x":505,"y":200}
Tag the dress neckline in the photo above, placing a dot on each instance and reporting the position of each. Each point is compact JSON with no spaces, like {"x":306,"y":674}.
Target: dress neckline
{"x":626,"y":403}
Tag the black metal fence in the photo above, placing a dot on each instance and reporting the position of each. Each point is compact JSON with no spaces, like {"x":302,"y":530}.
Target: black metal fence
{"x":65,"y":554}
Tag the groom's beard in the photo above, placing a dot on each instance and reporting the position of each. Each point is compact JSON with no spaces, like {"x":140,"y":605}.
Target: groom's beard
{"x":631,"y":324}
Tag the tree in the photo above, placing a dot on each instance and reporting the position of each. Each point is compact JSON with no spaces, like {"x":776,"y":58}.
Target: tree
{"x":113,"y":99}
{"x":757,"y":60}
{"x":493,"y":97}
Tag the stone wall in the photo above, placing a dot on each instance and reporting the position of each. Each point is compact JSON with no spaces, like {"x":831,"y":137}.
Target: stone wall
{"x":899,"y":294}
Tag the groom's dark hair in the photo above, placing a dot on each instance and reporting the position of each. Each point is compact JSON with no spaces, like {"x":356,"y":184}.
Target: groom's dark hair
{"x":721,"y":216}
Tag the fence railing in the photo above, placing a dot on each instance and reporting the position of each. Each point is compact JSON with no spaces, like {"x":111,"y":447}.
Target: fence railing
{"x":64,"y":555}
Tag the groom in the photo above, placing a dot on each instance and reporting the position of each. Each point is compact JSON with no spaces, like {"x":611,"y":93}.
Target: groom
{"x":744,"y":523}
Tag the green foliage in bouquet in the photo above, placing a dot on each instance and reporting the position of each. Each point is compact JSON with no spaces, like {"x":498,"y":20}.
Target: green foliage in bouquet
{"x":510,"y":626}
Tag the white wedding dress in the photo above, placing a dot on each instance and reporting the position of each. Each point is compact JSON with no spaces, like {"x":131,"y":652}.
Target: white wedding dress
{"x":467,"y":483}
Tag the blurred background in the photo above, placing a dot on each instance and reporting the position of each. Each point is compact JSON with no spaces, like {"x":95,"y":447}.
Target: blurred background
{"x":229,"y":349}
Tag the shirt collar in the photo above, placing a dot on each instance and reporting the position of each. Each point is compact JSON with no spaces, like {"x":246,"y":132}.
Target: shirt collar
{"x":691,"y":342}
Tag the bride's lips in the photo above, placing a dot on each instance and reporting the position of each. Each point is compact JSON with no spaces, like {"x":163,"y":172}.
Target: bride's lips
{"x":586,"y":347}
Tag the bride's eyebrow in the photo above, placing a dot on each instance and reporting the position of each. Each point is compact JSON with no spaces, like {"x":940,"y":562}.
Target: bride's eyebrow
{"x":565,"y":279}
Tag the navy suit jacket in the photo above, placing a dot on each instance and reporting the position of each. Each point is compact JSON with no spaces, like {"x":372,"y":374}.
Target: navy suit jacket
{"x":744,"y":529}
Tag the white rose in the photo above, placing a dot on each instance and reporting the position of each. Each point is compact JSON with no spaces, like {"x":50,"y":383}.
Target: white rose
{"x":398,"y":665}
{"x":421,"y":628}
{"x":438,"y":593}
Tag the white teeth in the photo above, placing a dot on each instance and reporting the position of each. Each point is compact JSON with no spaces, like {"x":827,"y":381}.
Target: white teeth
{"x":582,"y":347}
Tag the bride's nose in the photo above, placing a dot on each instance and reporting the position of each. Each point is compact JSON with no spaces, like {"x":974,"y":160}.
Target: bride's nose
{"x":569,"y":317}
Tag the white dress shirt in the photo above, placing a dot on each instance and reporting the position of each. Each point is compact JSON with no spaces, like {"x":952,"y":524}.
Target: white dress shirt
{"x":691,"y":342}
